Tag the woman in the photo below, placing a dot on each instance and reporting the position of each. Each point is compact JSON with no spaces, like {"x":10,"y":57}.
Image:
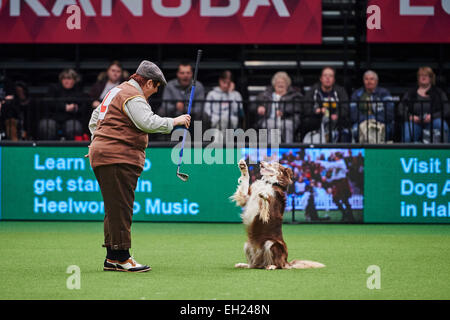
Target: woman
{"x":424,"y":109}
{"x":223,"y":103}
{"x":63,"y":115}
{"x":277,"y":107}
{"x":112,"y":77}
{"x":120,"y":127}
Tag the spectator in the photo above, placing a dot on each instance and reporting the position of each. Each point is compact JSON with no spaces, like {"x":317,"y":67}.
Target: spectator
{"x":8,"y":110}
{"x":177,"y":92}
{"x":64,"y":115}
{"x":300,"y":186}
{"x":107,"y":80}
{"x":371,"y":107}
{"x":296,"y":165}
{"x":26,"y":111}
{"x":223,"y":103}
{"x":278,"y":105}
{"x":423,"y":110}
{"x":326,"y":113}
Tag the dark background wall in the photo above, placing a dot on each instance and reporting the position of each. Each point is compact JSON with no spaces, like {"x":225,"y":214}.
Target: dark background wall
{"x":343,"y":47}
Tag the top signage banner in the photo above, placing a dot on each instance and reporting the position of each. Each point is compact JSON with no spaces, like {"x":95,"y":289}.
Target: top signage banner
{"x":161,"y":21}
{"x":408,"y":21}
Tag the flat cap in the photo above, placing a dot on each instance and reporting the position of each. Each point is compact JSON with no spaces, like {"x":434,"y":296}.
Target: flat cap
{"x":151,"y":71}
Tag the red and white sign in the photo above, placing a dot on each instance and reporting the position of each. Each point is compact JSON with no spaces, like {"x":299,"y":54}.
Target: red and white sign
{"x":163,"y":21}
{"x":410,"y":21}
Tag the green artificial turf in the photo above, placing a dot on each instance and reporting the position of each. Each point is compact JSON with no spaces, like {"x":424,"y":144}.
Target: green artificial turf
{"x":196,"y":261}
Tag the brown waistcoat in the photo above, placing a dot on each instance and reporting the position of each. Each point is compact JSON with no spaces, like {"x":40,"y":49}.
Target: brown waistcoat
{"x":116,"y":139}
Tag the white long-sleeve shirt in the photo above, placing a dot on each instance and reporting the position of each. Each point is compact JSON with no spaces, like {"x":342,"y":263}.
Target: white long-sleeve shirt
{"x":339,"y":168}
{"x":140,"y":113}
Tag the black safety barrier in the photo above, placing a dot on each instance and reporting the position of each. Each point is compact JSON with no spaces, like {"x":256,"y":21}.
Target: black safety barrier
{"x":298,"y":120}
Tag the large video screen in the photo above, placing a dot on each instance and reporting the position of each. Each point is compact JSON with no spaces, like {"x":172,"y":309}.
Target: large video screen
{"x":328,"y":184}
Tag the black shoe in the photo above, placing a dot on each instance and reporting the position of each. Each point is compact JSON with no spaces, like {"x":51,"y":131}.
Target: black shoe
{"x":129,"y":265}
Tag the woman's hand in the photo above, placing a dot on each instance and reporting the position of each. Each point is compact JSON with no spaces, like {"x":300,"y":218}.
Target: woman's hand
{"x":183,"y":120}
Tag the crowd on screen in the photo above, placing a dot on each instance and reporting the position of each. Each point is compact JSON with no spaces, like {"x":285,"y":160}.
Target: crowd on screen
{"x":323,"y":114}
{"x":320,"y":177}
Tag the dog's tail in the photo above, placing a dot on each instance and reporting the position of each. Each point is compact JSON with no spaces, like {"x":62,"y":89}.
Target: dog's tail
{"x":305,"y":264}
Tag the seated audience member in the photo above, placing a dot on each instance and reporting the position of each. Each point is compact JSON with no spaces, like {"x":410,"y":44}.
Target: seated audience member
{"x":277,"y":106}
{"x":423,"y":110}
{"x":223,"y":103}
{"x":8,"y":110}
{"x":371,"y":111}
{"x":26,"y":111}
{"x":326,"y":112}
{"x":107,"y":80}
{"x":63,"y":116}
{"x":300,"y":185}
{"x":177,"y":91}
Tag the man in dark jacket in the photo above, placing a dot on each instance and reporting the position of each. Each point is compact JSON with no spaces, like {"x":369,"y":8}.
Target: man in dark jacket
{"x":424,"y":109}
{"x":326,"y":112}
{"x":279,"y":107}
{"x":177,"y":91}
{"x":372,"y":102}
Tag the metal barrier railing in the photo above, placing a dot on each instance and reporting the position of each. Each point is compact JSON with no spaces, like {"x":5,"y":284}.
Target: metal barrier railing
{"x":299,"y":120}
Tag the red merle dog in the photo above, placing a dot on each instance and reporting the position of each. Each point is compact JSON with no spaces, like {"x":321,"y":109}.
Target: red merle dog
{"x":264,"y":203}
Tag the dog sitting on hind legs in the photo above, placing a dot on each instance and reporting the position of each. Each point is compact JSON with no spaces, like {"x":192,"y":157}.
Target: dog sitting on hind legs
{"x":264,"y":203}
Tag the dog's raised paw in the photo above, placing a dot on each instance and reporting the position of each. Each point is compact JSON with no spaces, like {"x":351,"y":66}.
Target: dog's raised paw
{"x":242,"y":164}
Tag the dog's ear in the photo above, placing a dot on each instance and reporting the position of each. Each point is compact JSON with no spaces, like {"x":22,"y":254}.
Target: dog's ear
{"x":285,"y":177}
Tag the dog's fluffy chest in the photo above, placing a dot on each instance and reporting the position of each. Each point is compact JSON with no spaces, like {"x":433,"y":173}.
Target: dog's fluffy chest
{"x":260,"y":190}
